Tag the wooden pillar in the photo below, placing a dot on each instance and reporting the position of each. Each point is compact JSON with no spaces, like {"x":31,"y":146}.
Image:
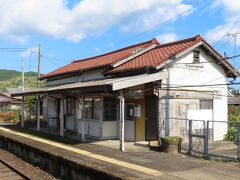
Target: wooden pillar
{"x":23,"y":113}
{"x":82,"y":121}
{"x":61,"y":116}
{"x":38,"y":113}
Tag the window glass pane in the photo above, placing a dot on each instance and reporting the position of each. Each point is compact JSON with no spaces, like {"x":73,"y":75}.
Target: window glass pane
{"x":70,"y":108}
{"x":129,"y":112}
{"x":196,"y":56}
{"x":88,"y":105}
{"x":96,"y":106}
{"x":92,"y":108}
{"x":110,"y":109}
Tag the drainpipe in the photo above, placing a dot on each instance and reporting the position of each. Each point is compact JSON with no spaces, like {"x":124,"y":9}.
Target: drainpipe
{"x":62,"y":117}
{"x":122,"y":104}
{"x":82,"y":121}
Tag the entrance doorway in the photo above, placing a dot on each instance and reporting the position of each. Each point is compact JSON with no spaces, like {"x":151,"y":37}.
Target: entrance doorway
{"x":151,"y":116}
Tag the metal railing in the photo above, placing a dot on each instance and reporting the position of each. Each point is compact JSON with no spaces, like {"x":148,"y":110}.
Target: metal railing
{"x":212,"y":139}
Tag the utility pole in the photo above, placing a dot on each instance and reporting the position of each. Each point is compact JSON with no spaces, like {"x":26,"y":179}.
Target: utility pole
{"x":22,"y":74}
{"x":23,"y":111}
{"x":39,"y":59}
{"x":234,"y":35}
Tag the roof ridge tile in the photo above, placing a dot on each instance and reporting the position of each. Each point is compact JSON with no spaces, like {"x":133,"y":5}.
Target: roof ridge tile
{"x":152,"y":41}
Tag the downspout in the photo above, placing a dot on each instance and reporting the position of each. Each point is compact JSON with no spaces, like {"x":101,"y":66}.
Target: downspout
{"x":167,"y":119}
{"x":122,"y":104}
{"x":83,"y":119}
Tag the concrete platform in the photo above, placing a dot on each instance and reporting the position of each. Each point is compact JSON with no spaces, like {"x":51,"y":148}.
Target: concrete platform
{"x":130,"y":165}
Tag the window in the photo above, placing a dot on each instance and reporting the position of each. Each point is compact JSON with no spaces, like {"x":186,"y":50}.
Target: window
{"x":206,"y":104}
{"x":129,"y":112}
{"x":70,"y":107}
{"x":88,"y":107}
{"x":110,"y":109}
{"x":196,"y":57}
{"x":91,"y":108}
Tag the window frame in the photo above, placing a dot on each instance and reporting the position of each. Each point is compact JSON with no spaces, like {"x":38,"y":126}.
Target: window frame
{"x":205,"y":100}
{"x":92,"y":108}
{"x":109,"y":108}
{"x":196,"y":59}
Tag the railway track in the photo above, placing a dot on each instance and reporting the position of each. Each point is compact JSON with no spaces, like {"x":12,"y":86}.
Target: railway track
{"x":8,"y":172}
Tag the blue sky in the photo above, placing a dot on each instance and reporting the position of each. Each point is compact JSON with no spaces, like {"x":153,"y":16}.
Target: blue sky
{"x":74,"y":29}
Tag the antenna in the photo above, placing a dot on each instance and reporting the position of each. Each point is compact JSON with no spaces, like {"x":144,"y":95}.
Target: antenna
{"x":234,"y":35}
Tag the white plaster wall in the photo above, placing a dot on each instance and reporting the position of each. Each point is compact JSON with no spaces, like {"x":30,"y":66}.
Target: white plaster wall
{"x":86,"y":76}
{"x":129,"y":130}
{"x":207,"y":73}
{"x":52,"y":107}
{"x":91,"y":128}
{"x":186,"y":74}
{"x":70,"y":123}
{"x":220,"y":114}
{"x":110,"y":129}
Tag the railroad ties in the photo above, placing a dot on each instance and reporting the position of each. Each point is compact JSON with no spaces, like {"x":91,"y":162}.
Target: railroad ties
{"x":7,"y":172}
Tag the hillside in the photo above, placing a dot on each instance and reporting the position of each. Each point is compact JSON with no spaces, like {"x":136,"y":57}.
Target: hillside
{"x":13,"y":78}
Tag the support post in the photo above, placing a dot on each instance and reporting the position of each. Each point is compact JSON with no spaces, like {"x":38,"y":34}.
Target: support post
{"x":122,"y":104}
{"x":83,"y":119}
{"x":38,"y":113}
{"x":206,"y":130}
{"x":61,"y":117}
{"x":238,"y":142}
{"x":23,"y":113}
{"x":190,"y":137}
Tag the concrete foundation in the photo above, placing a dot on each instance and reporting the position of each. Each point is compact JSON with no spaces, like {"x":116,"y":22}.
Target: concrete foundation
{"x":53,"y":164}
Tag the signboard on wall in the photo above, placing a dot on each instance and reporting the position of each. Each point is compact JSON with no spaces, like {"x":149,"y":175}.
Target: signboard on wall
{"x":202,"y":114}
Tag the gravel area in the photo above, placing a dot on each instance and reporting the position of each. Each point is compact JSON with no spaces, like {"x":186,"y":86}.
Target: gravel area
{"x":31,"y":171}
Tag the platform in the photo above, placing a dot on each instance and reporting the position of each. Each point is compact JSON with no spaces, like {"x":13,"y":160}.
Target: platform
{"x":129,"y":165}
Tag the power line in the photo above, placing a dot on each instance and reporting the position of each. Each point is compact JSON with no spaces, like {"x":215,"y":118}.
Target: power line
{"x":8,"y":48}
{"x":50,"y":60}
{"x":153,"y":27}
{"x":238,"y":19}
{"x":232,"y":57}
{"x":54,"y":58}
{"x":199,"y":85}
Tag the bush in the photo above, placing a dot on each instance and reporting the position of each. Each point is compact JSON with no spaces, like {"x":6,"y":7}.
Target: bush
{"x":231,"y":134}
{"x":10,"y":116}
{"x":172,"y":140}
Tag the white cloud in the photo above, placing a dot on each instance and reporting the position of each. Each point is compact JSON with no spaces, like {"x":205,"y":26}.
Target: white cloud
{"x":23,"y":18}
{"x":231,"y":13}
{"x":28,"y":52}
{"x":166,"y":38}
{"x":97,"y":49}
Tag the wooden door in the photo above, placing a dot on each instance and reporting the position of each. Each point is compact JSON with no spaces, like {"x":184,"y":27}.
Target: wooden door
{"x":151,"y":117}
{"x":140,"y":122}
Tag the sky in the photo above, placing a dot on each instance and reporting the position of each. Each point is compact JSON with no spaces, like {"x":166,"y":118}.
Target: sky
{"x":74,"y":29}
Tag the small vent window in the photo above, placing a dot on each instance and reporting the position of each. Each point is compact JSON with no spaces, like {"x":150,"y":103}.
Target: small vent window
{"x":206,"y":104}
{"x":196,"y":57}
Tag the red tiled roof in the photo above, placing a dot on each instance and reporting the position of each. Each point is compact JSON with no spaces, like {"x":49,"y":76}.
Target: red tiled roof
{"x":151,"y":58}
{"x":101,"y":60}
{"x":158,"y":55}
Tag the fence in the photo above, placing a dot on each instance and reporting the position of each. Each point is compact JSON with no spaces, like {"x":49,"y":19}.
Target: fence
{"x":220,"y":139}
